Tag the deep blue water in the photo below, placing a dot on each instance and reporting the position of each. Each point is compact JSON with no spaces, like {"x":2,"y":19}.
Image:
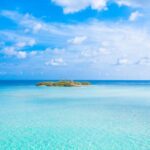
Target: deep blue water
{"x":94,"y":82}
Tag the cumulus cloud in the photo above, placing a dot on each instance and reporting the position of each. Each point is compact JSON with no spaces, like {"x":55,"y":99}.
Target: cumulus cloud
{"x":11,"y":51}
{"x":21,"y":54}
{"x":56,"y":62}
{"x":18,"y":43}
{"x":135,"y":15}
{"x":110,"y":43}
{"x":123,"y":39}
{"x":37,"y":27}
{"x":72,"y":6}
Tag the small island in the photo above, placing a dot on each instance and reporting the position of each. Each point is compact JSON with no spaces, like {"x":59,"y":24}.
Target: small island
{"x":63,"y":83}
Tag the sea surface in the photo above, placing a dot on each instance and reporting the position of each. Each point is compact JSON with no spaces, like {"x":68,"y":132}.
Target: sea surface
{"x":108,"y":115}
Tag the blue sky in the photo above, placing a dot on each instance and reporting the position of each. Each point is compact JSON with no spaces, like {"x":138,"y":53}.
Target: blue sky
{"x":74,"y":39}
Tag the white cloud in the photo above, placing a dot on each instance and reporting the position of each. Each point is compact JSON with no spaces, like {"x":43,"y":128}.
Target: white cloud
{"x":123,"y":2}
{"x":95,"y":44}
{"x":77,"y":40}
{"x":123,"y":61}
{"x":56,"y":62}
{"x":21,"y":54}
{"x":31,"y":24}
{"x":18,"y":43}
{"x":37,"y":27}
{"x":33,"y":53}
{"x":104,"y":51}
{"x":134,"y":3}
{"x":72,"y":6}
{"x":18,"y":39}
{"x":21,"y":44}
{"x":11,"y":51}
{"x":144,"y":61}
{"x":135,"y":15}
{"x":107,"y":38}
{"x":29,"y":42}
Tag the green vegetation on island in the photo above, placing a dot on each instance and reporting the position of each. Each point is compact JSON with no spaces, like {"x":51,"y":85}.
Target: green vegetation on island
{"x":63,"y":83}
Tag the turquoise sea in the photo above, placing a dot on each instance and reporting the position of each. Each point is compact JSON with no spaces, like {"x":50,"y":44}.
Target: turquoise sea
{"x":108,"y":115}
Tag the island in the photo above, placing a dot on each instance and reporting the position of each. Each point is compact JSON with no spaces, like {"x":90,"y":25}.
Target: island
{"x":63,"y":83}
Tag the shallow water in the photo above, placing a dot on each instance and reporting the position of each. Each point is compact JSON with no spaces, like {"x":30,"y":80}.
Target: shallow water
{"x":97,"y":117}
